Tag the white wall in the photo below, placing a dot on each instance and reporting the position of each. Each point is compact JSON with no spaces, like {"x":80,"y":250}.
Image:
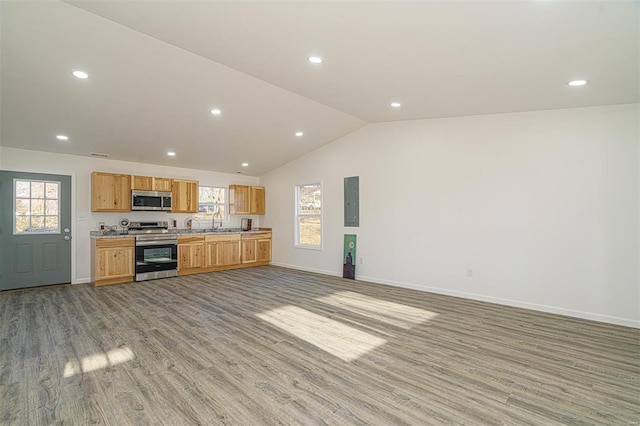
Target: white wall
{"x":542,"y":206}
{"x":80,"y":169}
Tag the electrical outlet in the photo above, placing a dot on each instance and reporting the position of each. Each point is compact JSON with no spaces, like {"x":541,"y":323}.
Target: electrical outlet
{"x":470,"y":273}
{"x":361,"y":260}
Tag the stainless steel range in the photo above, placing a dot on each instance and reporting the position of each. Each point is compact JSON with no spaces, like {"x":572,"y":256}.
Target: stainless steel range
{"x":156,"y":250}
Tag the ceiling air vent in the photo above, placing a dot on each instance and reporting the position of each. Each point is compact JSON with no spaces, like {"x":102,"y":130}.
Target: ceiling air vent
{"x":99,"y":155}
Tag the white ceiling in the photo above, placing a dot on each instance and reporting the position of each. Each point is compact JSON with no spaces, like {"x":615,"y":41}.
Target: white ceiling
{"x":158,"y":67}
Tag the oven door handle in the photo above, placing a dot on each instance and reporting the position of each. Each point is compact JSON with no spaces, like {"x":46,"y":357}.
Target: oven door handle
{"x":157,"y":243}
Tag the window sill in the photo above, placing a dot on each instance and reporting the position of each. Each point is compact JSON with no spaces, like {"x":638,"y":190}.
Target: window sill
{"x":307,"y":247}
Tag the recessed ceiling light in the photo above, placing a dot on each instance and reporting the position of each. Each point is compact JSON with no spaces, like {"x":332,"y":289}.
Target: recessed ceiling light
{"x":245,"y":164}
{"x":171,"y":154}
{"x":577,"y":83}
{"x":62,"y":137}
{"x":298,"y":134}
{"x":80,"y":74}
{"x":216,"y":111}
{"x":315,"y":59}
{"x":396,"y":104}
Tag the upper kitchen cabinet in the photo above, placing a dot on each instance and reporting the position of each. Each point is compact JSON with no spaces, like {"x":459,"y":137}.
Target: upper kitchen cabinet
{"x":164,"y":184}
{"x":244,"y":199}
{"x":110,"y":192}
{"x":148,"y":183}
{"x":142,"y":183}
{"x":185,"y":196}
{"x":257,"y":200}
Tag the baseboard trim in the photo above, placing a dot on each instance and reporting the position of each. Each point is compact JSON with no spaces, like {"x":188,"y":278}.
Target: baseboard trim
{"x":81,"y":281}
{"x":473,"y":296}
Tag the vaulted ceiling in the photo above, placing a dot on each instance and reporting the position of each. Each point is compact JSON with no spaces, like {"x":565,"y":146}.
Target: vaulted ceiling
{"x":157,"y":69}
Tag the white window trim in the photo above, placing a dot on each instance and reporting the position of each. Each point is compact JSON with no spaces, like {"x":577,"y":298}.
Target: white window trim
{"x":296,"y":229}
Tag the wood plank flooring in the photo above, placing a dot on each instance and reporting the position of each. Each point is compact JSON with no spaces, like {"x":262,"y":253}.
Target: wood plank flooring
{"x":270,"y":345}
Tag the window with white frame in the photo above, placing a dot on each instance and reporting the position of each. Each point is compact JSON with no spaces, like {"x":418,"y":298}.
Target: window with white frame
{"x":309,"y":215}
{"x":36,"y":207}
{"x":212,"y":204}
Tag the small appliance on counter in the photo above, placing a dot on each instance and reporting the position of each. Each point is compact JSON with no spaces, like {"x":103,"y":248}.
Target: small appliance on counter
{"x":246,"y":225}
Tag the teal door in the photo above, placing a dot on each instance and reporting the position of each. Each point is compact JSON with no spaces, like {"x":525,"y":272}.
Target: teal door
{"x":35,"y":229}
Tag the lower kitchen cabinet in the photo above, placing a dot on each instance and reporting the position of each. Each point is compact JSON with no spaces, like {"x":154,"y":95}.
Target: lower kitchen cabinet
{"x":263,"y":252}
{"x":222,"y":250}
{"x":217,"y":252}
{"x":113,"y":261}
{"x":256,"y":248}
{"x":190,"y":255}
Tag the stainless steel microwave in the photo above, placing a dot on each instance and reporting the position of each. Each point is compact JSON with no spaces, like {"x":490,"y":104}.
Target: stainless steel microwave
{"x":150,"y":200}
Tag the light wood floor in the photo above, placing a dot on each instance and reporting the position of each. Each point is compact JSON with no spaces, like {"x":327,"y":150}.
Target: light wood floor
{"x":270,"y":345}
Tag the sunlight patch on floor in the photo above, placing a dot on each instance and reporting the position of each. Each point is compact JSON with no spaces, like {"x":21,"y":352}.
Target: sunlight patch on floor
{"x":382,"y":310}
{"x":336,"y":338}
{"x":98,"y":361}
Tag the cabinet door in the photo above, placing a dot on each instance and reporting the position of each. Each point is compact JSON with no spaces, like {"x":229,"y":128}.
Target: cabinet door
{"x":211,"y":254}
{"x":263,"y":253}
{"x":190,"y":256}
{"x":185,"y":196}
{"x":114,"y":262}
{"x":142,"y":183}
{"x":229,"y":253}
{"x":110,"y":192}
{"x":239,"y":199}
{"x":257,"y":200}
{"x":249,"y":251}
{"x":162,"y":184}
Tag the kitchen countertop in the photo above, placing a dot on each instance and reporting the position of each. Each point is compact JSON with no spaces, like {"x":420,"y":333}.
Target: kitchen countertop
{"x":181,"y":232}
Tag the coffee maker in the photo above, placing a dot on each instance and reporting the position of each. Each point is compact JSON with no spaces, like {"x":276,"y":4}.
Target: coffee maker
{"x":246,"y":224}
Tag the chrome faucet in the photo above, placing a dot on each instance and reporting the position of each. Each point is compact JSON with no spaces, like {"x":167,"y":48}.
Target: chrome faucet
{"x":217,"y":213}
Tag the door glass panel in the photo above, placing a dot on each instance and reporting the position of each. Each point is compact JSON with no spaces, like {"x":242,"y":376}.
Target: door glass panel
{"x":22,"y":207}
{"x":23,"y":189}
{"x":36,"y":207}
{"x":37,"y":223}
{"x":52,"y":207}
{"x":22,"y":224}
{"x":37,"y":189}
{"x":52,"y":190}
{"x":51,"y":222}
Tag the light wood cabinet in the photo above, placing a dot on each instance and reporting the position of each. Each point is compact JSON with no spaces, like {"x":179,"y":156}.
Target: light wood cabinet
{"x":190,"y":254}
{"x":110,"y":192}
{"x":239,"y":199}
{"x":148,"y":183}
{"x":263,"y":250}
{"x":222,"y":250}
{"x":185,"y":196}
{"x":257,"y":200}
{"x":244,"y":199}
{"x":256,"y":247}
{"x":163,"y":184}
{"x":142,"y":183}
{"x":249,"y":249}
{"x":113,"y":261}
{"x":216,"y":252}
